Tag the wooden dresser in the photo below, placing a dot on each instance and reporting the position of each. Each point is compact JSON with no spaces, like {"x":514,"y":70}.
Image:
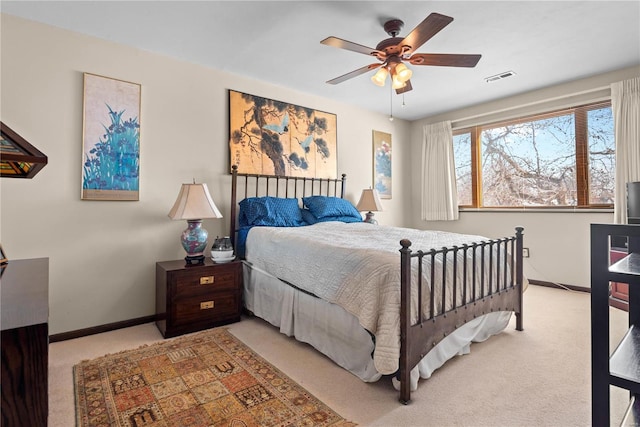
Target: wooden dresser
{"x":25,"y":342}
{"x":192,"y":298}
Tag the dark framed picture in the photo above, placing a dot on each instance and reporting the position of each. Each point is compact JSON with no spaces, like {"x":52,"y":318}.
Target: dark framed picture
{"x":3,"y":257}
{"x":270,"y":137}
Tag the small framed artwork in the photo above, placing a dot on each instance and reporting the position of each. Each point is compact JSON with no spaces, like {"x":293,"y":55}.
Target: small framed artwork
{"x":382,"y":164}
{"x":110,"y":139}
{"x":3,"y":257}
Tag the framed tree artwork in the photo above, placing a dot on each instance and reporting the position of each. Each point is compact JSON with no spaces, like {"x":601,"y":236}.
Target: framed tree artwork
{"x":270,"y":137}
{"x":382,"y":164}
{"x":110,"y":139}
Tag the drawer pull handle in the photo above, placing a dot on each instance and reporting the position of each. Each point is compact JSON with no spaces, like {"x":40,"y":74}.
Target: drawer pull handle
{"x":207,"y":280}
{"x":206,"y":305}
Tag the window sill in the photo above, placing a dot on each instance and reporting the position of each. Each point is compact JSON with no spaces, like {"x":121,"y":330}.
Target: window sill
{"x":537,"y":210}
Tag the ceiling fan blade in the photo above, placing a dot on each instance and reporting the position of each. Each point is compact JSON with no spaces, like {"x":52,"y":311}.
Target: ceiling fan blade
{"x":353,"y":74}
{"x":444,"y":59}
{"x":405,"y":88}
{"x":428,"y":28}
{"x":344,"y":44}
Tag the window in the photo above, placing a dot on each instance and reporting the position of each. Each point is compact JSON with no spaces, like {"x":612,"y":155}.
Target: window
{"x":560,"y":159}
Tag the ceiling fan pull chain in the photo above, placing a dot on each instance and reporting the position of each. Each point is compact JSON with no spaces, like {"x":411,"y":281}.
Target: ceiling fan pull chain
{"x":390,"y":103}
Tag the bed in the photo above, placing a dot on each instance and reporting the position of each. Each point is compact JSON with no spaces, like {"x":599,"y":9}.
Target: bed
{"x":360,"y":293}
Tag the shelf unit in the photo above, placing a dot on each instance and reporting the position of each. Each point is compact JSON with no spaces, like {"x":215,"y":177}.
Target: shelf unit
{"x":622,"y":367}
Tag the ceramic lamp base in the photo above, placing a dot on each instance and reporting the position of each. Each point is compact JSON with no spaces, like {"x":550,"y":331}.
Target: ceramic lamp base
{"x":369,"y":218}
{"x":194,"y":242}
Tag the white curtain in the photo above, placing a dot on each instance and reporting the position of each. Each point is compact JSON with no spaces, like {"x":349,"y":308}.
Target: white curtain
{"x":439,"y":191}
{"x":625,"y":103}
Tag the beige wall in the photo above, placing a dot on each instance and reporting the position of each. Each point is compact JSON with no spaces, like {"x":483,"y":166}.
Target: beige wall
{"x":558,"y":241}
{"x":102,"y":254}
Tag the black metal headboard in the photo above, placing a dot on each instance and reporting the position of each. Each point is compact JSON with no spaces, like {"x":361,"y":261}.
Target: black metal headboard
{"x":256,"y":185}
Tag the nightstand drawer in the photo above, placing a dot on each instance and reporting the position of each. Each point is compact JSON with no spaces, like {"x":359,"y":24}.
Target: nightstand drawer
{"x":218,"y":306}
{"x":201,"y":281}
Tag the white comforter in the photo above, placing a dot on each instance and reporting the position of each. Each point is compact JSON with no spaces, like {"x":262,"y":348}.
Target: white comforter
{"x":356,"y":266}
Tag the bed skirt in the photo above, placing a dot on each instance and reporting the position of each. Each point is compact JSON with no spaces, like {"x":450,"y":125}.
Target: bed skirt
{"x":338,"y":334}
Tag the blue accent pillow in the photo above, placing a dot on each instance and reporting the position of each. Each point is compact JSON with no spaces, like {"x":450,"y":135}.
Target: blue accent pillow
{"x":326,"y":206}
{"x":242,"y":217}
{"x":270,"y":211}
{"x":308,"y":217}
{"x":341,"y":218}
{"x":241,"y":243}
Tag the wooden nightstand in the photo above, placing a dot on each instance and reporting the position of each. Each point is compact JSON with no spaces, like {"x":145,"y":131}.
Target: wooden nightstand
{"x":192,"y":298}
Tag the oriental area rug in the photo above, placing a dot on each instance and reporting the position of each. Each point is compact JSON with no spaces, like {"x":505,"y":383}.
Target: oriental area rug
{"x":204,"y":379}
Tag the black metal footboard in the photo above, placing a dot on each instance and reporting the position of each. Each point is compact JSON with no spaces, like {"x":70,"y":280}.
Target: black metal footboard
{"x":462,"y":283}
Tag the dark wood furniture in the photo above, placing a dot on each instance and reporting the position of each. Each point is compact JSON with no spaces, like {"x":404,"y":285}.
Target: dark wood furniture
{"x":619,"y":292}
{"x":196,"y":297}
{"x":25,"y":344}
{"x":619,"y":295}
{"x":501,"y":291}
{"x":622,"y":368}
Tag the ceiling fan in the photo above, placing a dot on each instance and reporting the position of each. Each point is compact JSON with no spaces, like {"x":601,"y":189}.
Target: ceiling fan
{"x":392,"y":53}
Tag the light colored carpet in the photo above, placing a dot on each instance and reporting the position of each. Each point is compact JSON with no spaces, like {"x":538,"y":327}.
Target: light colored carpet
{"x":538,"y":377}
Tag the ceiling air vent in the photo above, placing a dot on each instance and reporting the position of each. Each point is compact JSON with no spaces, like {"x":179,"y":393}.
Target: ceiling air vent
{"x":500,"y":76}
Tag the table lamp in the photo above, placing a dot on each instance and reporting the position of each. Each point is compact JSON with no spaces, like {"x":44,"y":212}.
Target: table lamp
{"x":369,"y":201}
{"x":194,"y":203}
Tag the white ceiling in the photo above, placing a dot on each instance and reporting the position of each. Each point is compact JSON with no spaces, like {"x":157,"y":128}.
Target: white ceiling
{"x":543,"y":42}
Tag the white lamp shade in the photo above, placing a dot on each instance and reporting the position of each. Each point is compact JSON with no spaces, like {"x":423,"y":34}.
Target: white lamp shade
{"x":194,"y":202}
{"x":369,"y":201}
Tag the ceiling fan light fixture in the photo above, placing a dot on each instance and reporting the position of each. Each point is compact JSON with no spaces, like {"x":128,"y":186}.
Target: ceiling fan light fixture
{"x":403,"y":72}
{"x":380,"y":76}
{"x":397,"y":83}
{"x":393,"y":52}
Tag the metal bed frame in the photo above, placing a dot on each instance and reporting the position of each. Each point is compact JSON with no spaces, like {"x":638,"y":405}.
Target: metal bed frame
{"x":500,"y":289}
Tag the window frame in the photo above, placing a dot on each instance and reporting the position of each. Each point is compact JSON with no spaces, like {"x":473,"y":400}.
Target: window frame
{"x":581,"y":156}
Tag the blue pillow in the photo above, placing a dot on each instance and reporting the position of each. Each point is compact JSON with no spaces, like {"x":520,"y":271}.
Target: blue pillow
{"x":341,"y":218}
{"x":326,"y":206}
{"x":308,"y":217}
{"x":270,"y":211}
{"x":242,"y":217}
{"x":241,"y":243}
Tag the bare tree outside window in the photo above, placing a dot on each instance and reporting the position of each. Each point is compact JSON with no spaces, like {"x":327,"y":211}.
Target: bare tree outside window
{"x":602,"y":162}
{"x":462,"y":155}
{"x":539,"y":161}
{"x":530,"y":163}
